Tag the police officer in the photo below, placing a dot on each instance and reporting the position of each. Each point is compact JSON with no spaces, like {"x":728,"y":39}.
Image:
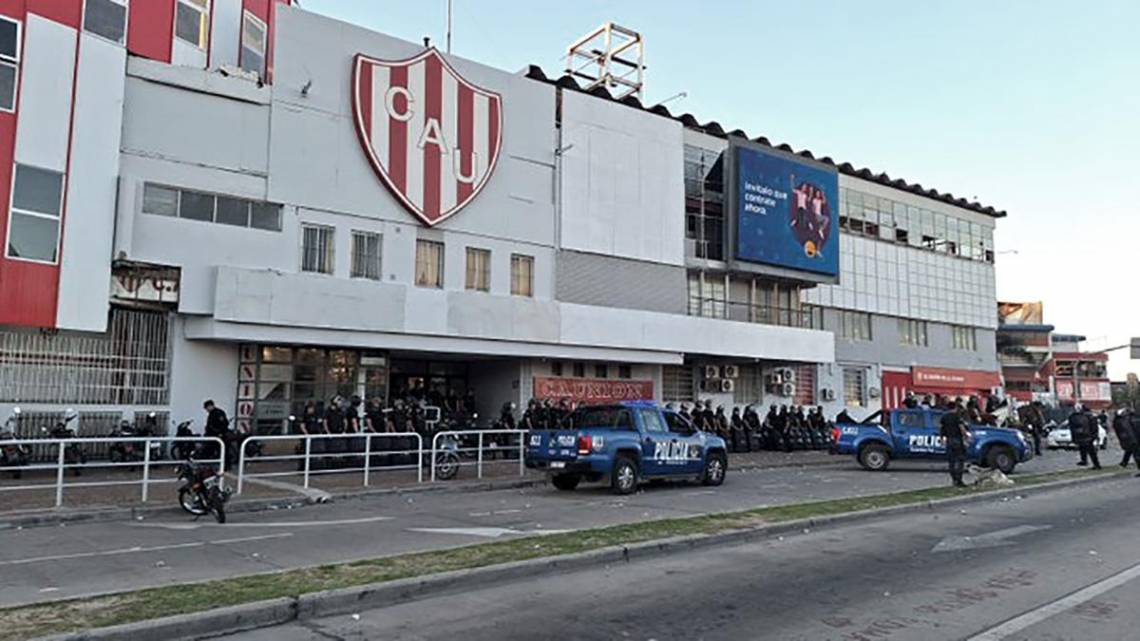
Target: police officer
{"x":953,"y":429}
{"x":1035,"y":418}
{"x":1122,"y":425}
{"x":1083,"y":428}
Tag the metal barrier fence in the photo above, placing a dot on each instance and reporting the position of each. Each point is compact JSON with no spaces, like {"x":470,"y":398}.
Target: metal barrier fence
{"x":145,"y":462}
{"x":373,"y":456}
{"x":460,"y":447}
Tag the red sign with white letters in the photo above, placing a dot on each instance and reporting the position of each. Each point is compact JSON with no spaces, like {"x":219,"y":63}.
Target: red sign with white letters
{"x":592,"y":390}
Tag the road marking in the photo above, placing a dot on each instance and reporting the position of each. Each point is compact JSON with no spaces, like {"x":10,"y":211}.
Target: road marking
{"x":1033,"y":617}
{"x":493,"y":513}
{"x":271,"y":524}
{"x":141,"y":550}
{"x":486,"y":532}
{"x":988,"y":540}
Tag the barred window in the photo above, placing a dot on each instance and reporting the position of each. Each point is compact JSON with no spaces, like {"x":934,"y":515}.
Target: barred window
{"x":855,"y":386}
{"x":365,"y":255}
{"x":677,"y":384}
{"x":317,"y":249}
{"x":429,"y":264}
{"x":478,"y":269}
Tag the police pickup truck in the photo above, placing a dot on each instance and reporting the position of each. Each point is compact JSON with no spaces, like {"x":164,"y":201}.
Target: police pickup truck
{"x":627,"y":443}
{"x":914,"y":434}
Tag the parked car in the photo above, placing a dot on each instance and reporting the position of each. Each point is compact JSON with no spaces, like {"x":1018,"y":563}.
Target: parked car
{"x":1060,"y":437}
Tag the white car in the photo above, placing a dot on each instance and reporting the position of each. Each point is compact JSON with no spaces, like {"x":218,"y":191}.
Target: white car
{"x":1060,"y":437}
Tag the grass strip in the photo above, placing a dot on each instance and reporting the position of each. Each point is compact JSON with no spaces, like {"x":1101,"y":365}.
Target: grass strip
{"x":151,"y":603}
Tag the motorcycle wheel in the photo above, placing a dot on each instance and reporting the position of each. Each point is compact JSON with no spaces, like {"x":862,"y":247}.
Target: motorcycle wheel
{"x":219,"y":513}
{"x":189,"y":503}
{"x":446,"y":466}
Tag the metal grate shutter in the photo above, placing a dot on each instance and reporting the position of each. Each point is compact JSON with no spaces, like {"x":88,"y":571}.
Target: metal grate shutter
{"x":677,"y":384}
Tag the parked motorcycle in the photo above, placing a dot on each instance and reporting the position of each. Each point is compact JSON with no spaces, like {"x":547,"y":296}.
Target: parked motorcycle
{"x":73,"y":455}
{"x":446,"y":458}
{"x":150,"y":428}
{"x":201,"y":492}
{"x":125,"y":451}
{"x":14,"y":455}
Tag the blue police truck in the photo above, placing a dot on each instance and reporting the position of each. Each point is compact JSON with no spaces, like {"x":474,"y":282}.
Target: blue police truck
{"x":914,"y":434}
{"x":627,"y":443}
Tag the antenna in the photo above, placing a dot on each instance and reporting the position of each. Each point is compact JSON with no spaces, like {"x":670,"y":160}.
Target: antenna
{"x":449,"y":14}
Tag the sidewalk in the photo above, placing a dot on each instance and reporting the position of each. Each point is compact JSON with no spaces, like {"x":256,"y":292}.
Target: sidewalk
{"x":277,"y":490}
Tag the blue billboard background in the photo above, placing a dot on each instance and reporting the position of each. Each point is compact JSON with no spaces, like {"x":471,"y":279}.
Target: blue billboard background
{"x":786,"y":212}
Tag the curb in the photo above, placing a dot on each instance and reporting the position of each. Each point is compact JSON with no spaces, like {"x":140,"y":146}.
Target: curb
{"x":50,"y":517}
{"x":261,"y":614}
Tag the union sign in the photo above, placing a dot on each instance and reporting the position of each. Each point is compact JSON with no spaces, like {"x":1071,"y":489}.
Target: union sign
{"x":431,"y":136}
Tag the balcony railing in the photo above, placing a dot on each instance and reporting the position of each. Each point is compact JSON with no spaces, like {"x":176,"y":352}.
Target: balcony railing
{"x":749,"y":313}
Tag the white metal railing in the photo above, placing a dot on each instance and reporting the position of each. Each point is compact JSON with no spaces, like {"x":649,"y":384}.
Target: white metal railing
{"x":334,"y":447}
{"x":479,"y":448}
{"x":145,"y":461}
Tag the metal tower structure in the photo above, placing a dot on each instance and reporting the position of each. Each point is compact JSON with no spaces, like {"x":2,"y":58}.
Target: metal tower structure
{"x":610,"y":56}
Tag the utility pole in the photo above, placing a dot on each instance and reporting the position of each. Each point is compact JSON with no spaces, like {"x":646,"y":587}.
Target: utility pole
{"x":449,"y":12}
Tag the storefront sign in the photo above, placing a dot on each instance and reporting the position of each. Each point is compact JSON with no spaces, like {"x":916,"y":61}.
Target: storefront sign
{"x":592,"y":390}
{"x":963,"y":379}
{"x":1096,"y":391}
{"x":786,"y":211}
{"x":431,"y":136}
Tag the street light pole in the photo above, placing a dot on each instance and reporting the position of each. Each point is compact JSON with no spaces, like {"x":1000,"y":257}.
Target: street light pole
{"x":449,"y":13}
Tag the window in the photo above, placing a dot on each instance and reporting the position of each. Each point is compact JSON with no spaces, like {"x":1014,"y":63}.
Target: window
{"x":579,"y":370}
{"x":365,"y":255}
{"x":912,"y":332}
{"x":855,"y":326}
{"x":522,"y":275}
{"x":965,"y":338}
{"x":556,"y":369}
{"x":253,"y":39}
{"x":106,"y":19}
{"x":601,"y":370}
{"x":678,"y":424}
{"x":429,"y":264}
{"x":37,"y":198}
{"x":317,"y":249}
{"x":625,"y":371}
{"x":159,"y":200}
{"x":651,"y":420}
{"x":478,"y":269}
{"x":191,"y":22}
{"x":9,"y":62}
{"x":854,"y":387}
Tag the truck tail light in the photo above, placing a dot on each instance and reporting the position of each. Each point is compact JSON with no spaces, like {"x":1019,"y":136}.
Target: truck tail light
{"x":585,"y":445}
{"x":835,"y":435}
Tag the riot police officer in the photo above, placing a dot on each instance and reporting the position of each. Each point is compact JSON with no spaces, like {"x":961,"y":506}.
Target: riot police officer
{"x":953,"y":429}
{"x":1083,"y":428}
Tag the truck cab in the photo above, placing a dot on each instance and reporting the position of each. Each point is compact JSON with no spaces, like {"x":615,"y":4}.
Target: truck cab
{"x":627,"y":443}
{"x":913,"y":433}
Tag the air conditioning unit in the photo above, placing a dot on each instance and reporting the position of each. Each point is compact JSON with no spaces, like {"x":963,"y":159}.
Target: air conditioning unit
{"x":712,"y":371}
{"x":788,"y":389}
{"x":874,"y":392}
{"x":731,"y":371}
{"x":711,"y":385}
{"x":775,"y":379}
{"x":727,"y":385}
{"x":827,"y":393}
{"x":789,"y":375}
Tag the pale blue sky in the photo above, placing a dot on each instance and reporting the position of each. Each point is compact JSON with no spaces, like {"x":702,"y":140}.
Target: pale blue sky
{"x":1031,"y":106}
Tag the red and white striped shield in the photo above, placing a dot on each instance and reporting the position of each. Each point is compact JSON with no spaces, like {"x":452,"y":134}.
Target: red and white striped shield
{"x":431,"y":136}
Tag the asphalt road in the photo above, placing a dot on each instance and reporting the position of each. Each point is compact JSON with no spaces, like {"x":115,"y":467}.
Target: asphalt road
{"x":1059,"y":566}
{"x":48,"y":563}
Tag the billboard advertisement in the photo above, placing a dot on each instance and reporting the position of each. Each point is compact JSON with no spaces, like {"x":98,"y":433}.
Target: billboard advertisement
{"x":787,"y":211}
{"x":1021,"y":313}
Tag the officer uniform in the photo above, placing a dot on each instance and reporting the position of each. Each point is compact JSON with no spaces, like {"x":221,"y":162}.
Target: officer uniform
{"x":1083,"y":429}
{"x":954,"y":432}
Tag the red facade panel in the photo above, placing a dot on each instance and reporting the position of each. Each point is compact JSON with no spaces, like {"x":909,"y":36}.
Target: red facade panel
{"x":68,"y":12}
{"x":150,"y":33}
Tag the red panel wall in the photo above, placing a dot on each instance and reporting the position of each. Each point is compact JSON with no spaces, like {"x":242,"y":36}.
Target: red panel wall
{"x":68,"y":12}
{"x":150,"y":33}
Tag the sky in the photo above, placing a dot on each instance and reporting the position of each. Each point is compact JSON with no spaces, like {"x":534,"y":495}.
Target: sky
{"x":1031,"y":106}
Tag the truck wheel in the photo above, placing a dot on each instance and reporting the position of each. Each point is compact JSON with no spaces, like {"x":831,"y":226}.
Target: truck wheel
{"x":566,"y":482}
{"x":1001,"y":458}
{"x":875,"y":457}
{"x":624,"y":477}
{"x":715,"y":468}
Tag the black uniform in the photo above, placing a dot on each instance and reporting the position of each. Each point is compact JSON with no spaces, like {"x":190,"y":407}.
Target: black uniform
{"x":951,"y":430}
{"x":1083,"y":429}
{"x":1122,"y":425}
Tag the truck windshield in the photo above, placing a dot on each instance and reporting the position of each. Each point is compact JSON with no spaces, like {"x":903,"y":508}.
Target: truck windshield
{"x":614,"y":417}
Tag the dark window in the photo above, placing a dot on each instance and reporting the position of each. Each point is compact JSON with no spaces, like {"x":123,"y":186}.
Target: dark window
{"x":232,"y":211}
{"x":265,"y":216}
{"x":601,"y":370}
{"x":902,"y":236}
{"x":33,"y":231}
{"x":625,"y":371}
{"x":7,"y":86}
{"x":9,"y":39}
{"x":579,"y":370}
{"x":197,"y":206}
{"x":556,"y":369}
{"x":106,"y":18}
{"x":253,"y":44}
{"x":678,"y":424}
